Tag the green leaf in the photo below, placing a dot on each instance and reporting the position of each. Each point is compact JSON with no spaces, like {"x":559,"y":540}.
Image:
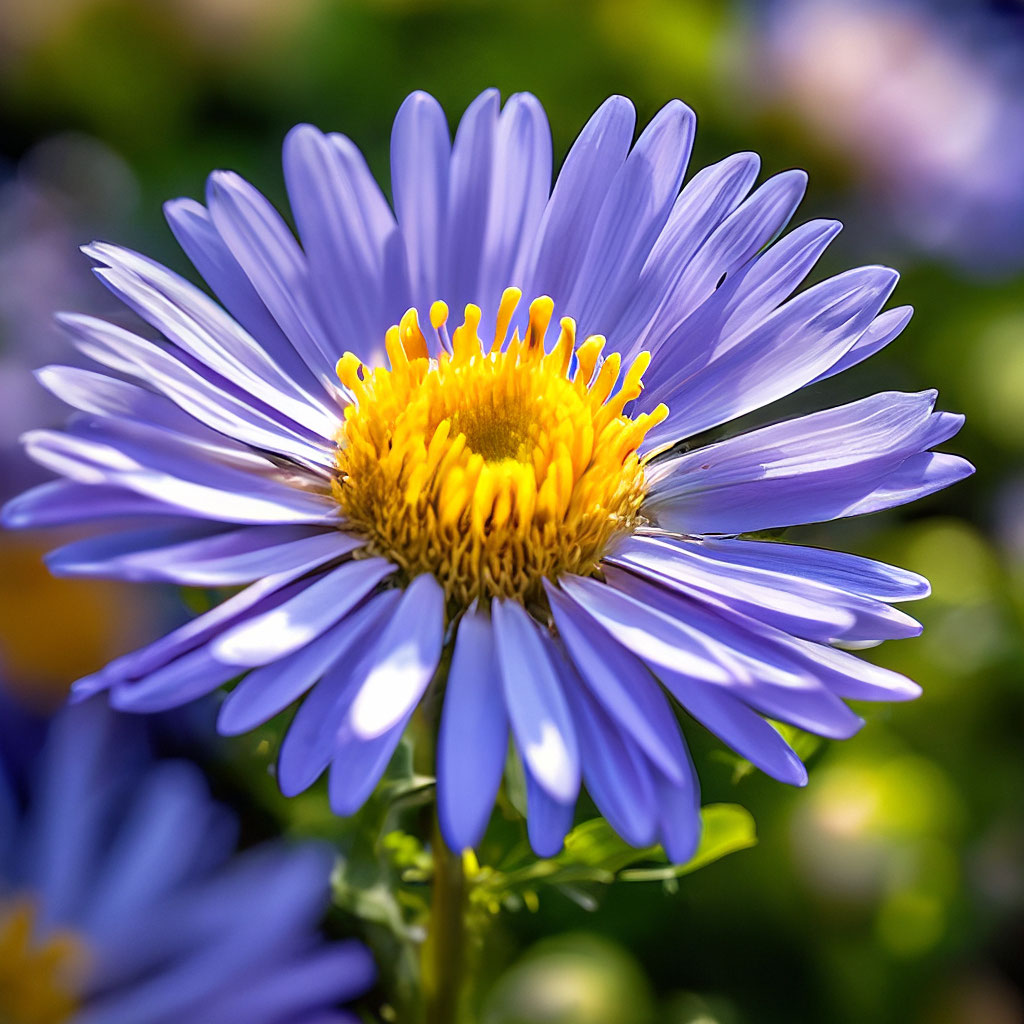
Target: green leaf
{"x":595,"y":853}
{"x":728,"y":828}
{"x":595,"y":844}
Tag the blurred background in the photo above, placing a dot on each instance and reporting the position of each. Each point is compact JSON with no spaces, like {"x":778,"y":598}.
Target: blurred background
{"x":892,"y":889}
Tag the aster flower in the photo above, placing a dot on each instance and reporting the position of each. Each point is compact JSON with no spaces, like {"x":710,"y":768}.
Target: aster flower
{"x":122,"y":901}
{"x":500,"y":511}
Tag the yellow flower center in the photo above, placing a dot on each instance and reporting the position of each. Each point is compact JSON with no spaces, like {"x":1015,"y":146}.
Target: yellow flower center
{"x":495,"y":466}
{"x":39,"y":978}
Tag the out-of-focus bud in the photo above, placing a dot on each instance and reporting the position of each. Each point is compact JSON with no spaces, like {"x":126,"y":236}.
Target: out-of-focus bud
{"x":572,"y":979}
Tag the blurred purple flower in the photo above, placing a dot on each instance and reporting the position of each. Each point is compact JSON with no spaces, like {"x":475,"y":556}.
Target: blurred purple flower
{"x":63,"y":191}
{"x":517,"y":500}
{"x":122,"y":900}
{"x":923,"y":103}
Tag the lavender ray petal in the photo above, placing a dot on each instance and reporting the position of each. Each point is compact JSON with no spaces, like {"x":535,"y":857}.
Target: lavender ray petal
{"x":536,"y":704}
{"x":473,"y":738}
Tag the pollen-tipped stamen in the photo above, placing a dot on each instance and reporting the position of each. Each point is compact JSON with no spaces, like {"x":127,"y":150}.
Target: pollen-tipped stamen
{"x":492,"y":466}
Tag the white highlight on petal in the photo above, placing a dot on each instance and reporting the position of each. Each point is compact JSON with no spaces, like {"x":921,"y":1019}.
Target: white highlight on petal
{"x":549,"y":759}
{"x":410,"y":648}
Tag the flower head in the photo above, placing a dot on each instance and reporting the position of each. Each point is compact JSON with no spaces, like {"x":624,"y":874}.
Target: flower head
{"x":121,"y":898}
{"x":493,"y":468}
{"x":508,"y":515}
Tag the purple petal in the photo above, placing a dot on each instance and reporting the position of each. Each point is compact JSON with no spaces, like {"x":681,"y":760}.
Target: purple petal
{"x":196,"y":324}
{"x":206,"y":397}
{"x":99,"y":395}
{"x":192,"y":227}
{"x":267,"y":691}
{"x":517,"y":200}
{"x":390,"y":684}
{"x":744,"y":299}
{"x":883,"y":329}
{"x":614,"y":771}
{"x":739,"y":727}
{"x":810,"y":469}
{"x":771,"y":277}
{"x":267,"y":251}
{"x":158,"y":844}
{"x":67,"y":827}
{"x":536,"y":705}
{"x":188,"y":678}
{"x":579,"y":193}
{"x":638,"y":204}
{"x":798,"y":606}
{"x":473,"y":739}
{"x":622,"y":684}
{"x":675,"y":565}
{"x":420,"y":154}
{"x":472,"y":176}
{"x":853,"y":678}
{"x":679,"y":817}
{"x":842,"y":674}
{"x":60,"y":502}
{"x":852,"y":573}
{"x":408,"y":652}
{"x":708,"y":198}
{"x":300,"y":620}
{"x":919,"y":476}
{"x":311,"y":739}
{"x":358,"y":764}
{"x":345,"y":225}
{"x":762,"y":668}
{"x":179,"y":477}
{"x":289,"y":991}
{"x":257,"y":597}
{"x":781,"y":354}
{"x":736,"y":240}
{"x":658,"y":639}
{"x":224,"y":559}
{"x":547,"y":820}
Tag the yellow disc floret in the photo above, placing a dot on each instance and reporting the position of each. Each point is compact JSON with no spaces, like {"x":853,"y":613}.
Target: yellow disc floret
{"x":38,"y":976}
{"x":493,"y":466}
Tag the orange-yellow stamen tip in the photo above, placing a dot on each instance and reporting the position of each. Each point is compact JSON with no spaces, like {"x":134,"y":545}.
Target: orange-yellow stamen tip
{"x":506,"y":309}
{"x":541,"y":311}
{"x":438,"y":314}
{"x":493,"y":467}
{"x":413,"y":343}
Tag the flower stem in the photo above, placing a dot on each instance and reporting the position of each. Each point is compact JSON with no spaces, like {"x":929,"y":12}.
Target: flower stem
{"x":445,"y":951}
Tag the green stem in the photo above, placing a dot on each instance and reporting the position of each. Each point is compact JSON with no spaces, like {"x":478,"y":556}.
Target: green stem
{"x":445,"y":951}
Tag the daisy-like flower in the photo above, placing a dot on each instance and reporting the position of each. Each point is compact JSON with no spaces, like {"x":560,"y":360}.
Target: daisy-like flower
{"x":498,"y":508}
{"x":122,"y":902}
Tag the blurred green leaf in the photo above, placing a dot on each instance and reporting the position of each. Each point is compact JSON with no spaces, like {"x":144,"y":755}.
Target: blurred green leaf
{"x":728,"y":828}
{"x":595,"y":855}
{"x":595,"y":844}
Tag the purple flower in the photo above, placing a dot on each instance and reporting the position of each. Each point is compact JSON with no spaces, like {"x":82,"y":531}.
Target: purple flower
{"x":516,"y":503}
{"x":924,"y":106}
{"x":49,"y":202}
{"x":122,"y":900}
